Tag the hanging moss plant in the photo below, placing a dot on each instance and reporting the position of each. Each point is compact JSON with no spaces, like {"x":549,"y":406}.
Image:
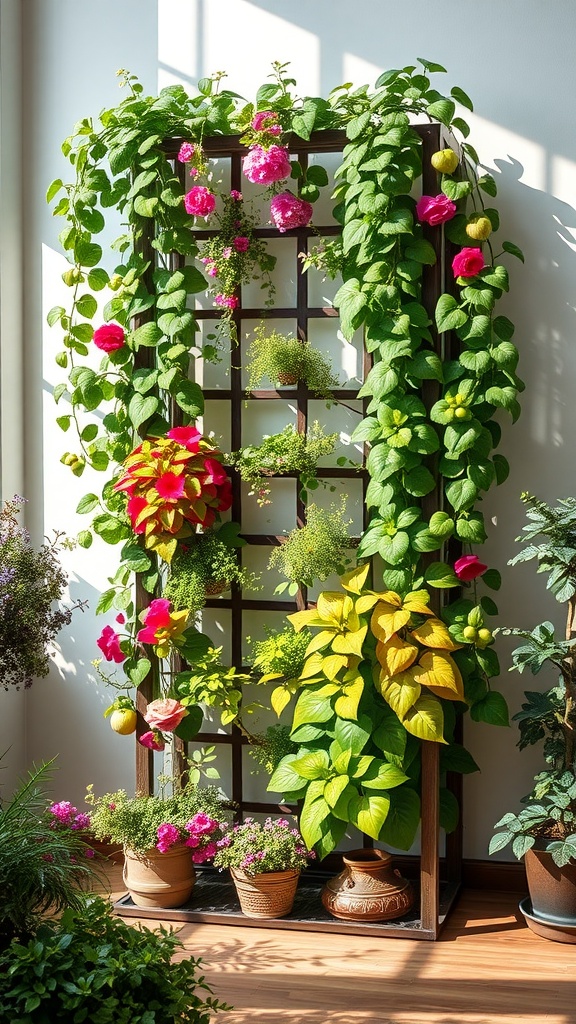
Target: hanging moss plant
{"x":314,"y":551}
{"x":287,"y":361}
{"x":205,"y":566}
{"x":282,"y":453}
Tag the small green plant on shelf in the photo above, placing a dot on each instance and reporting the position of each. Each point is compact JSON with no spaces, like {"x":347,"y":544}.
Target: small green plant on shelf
{"x":268,"y":748}
{"x":217,"y":685}
{"x":205,"y":566}
{"x":91,"y":966}
{"x":287,"y":361}
{"x":314,"y":551}
{"x":280,"y":659}
{"x":282,"y":453}
{"x":549,"y":813}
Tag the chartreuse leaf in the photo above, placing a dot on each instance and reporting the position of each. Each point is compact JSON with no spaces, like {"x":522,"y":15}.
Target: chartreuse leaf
{"x":369,"y":813}
{"x":403,"y":818}
{"x":284,"y":779}
{"x":346,"y":706}
{"x":400,"y":692}
{"x":390,"y":738}
{"x":440,"y":673}
{"x":382,"y":775}
{"x":425,"y":719}
{"x":388,"y":617}
{"x":313,"y":814}
{"x":334,"y":788}
{"x":395,"y":655}
{"x":314,"y":706}
{"x":433,"y":633}
{"x":351,"y":735}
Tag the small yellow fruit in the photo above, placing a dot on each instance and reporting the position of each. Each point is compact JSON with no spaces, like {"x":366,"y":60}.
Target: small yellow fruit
{"x":445,"y":160}
{"x":485,"y":636}
{"x":479,"y":228}
{"x":469,"y":633}
{"x":123,"y":720}
{"x":461,"y":413}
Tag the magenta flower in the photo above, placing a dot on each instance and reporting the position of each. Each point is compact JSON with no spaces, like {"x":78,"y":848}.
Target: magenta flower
{"x":121,"y":618}
{"x":201,"y":824}
{"x":226,"y":301}
{"x":199,"y":201}
{"x":468,"y":567}
{"x":468,"y":262}
{"x":435,"y":210}
{"x":265,"y":166}
{"x":241,"y":243}
{"x":212,"y":270}
{"x":167,"y":836}
{"x":236,"y":195}
{"x":227,"y":252}
{"x":288,"y":211}
{"x":81,"y":821}
{"x":153,"y":740}
{"x":109,"y":337}
{"x":64,"y":812}
{"x":264,"y":121}
{"x":89,"y":853}
{"x":170,"y":486}
{"x":109,"y":644}
{"x":156,"y":616}
{"x":188,"y":437}
{"x":186,"y":152}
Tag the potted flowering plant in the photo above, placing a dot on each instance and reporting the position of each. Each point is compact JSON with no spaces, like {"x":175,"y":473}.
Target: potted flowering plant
{"x":265,"y":862}
{"x":163,"y":837}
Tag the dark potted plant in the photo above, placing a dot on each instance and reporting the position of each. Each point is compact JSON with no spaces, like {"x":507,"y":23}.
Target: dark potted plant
{"x":544,"y":831}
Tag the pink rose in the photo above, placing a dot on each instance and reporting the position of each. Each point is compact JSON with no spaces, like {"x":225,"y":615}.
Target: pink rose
{"x":241,"y":244}
{"x":236,"y":195}
{"x":186,"y":152}
{"x":109,"y":644}
{"x":435,"y":209}
{"x":152,"y":740}
{"x":288,"y":211}
{"x":199,"y":201}
{"x":165,"y":714}
{"x":468,"y":262}
{"x":226,"y":301}
{"x":109,"y":337}
{"x":468,"y":567}
{"x":266,"y":121}
{"x":265,"y":166}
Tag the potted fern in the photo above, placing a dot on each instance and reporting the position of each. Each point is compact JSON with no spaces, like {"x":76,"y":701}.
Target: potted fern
{"x":207,"y":565}
{"x":287,"y":361}
{"x":544,"y":831}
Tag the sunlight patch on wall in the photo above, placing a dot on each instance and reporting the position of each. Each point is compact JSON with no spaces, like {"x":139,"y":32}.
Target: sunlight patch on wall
{"x":178,"y":29}
{"x":563,"y":187}
{"x":359,"y":71}
{"x":493,"y":142}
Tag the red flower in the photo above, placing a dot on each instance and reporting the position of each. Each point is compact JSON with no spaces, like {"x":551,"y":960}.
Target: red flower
{"x":109,"y":337}
{"x":468,"y":567}
{"x":241,"y":243}
{"x":468,"y":262}
{"x":109,"y":644}
{"x":170,"y":485}
{"x":153,"y":740}
{"x":135,"y":506}
{"x":157,"y":616}
{"x":435,"y":210}
{"x":188,"y":437}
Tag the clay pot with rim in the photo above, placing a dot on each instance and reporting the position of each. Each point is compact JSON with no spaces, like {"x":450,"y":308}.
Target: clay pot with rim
{"x":286,"y":379}
{"x":368,"y":889}
{"x":159,"y":880}
{"x":552,"y":895}
{"x":269,"y":894}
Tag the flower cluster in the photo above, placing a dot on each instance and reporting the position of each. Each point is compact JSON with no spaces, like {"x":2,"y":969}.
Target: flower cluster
{"x":174,"y":483}
{"x":203,"y":834}
{"x":288,"y":211}
{"x":256,"y":848}
{"x":68,"y":816}
{"x":266,"y":166}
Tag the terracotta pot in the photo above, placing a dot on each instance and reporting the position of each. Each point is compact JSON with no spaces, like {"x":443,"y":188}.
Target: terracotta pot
{"x":214,"y":587}
{"x":368,"y":889}
{"x":287,"y":379}
{"x":157,"y":879}
{"x":270,"y":894}
{"x":552,"y":892}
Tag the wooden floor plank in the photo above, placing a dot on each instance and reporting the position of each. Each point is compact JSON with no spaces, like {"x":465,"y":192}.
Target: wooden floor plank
{"x":487,"y":968}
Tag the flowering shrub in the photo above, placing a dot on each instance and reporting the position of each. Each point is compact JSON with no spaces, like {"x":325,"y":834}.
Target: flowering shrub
{"x":174,"y":483}
{"x":257,"y":848}
{"x":288,"y":211}
{"x":266,"y":166}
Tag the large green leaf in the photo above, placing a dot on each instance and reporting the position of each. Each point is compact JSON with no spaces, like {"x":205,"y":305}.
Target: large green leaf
{"x":312,"y":707}
{"x":284,"y":779}
{"x":403,"y":818}
{"x":448,"y":314}
{"x":369,"y":813}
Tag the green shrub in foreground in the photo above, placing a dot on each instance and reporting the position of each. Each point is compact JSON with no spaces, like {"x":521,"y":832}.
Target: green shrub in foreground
{"x":91,"y":966}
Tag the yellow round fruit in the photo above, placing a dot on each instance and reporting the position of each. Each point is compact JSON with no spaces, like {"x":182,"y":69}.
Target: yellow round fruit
{"x":123,"y":720}
{"x":445,"y":160}
{"x":461,"y":413}
{"x":469,"y":633}
{"x":485,"y":636}
{"x":479,"y":228}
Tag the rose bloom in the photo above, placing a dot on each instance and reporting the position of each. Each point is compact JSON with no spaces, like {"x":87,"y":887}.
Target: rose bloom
{"x":152,"y":740}
{"x":468,"y":262}
{"x":260,"y":122}
{"x":265,"y":166}
{"x":165,"y":714}
{"x":241,"y":243}
{"x":288,"y":211}
{"x":186,"y":152}
{"x":435,"y":209}
{"x":226,"y":301}
{"x":468,"y":567}
{"x":109,"y":644}
{"x":199,"y":201}
{"x":109,"y":337}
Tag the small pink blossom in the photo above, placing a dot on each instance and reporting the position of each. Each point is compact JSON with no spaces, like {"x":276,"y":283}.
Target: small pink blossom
{"x":186,"y":152}
{"x":435,"y":210}
{"x":89,"y":853}
{"x":468,"y":567}
{"x":111,"y":807}
{"x":241,"y":243}
{"x":48,"y":857}
{"x":165,"y":714}
{"x":212,"y":270}
{"x":265,"y":121}
{"x":81,"y":821}
{"x":167,"y":836}
{"x":236,"y":195}
{"x":64,"y":812}
{"x":265,"y":166}
{"x":153,"y":740}
{"x":226,"y":301}
{"x":188,"y":437}
{"x":121,"y":618}
{"x":194,"y":172}
{"x":227,"y":252}
{"x":199,"y":201}
{"x":210,"y":851}
{"x":288,"y":211}
{"x":109,"y":337}
{"x":109,"y":644}
{"x":468,"y":262}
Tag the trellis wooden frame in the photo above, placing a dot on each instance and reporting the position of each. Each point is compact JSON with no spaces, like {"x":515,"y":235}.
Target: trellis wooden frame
{"x":433,"y":285}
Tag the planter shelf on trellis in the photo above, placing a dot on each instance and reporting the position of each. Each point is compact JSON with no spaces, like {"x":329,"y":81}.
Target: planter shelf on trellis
{"x":436,"y":895}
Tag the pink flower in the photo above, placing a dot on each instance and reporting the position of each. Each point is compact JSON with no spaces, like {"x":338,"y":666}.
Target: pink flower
{"x":227,"y":252}
{"x":135,"y":506}
{"x":121,"y":618}
{"x":89,"y":853}
{"x":259,"y":121}
{"x":199,"y":201}
{"x":81,"y":821}
{"x":241,"y":243}
{"x":165,"y":714}
{"x":109,"y":337}
{"x":186,"y":152}
{"x":156,"y":616}
{"x":198,"y":857}
{"x":226,"y":301}
{"x":167,"y":836}
{"x":468,"y":567}
{"x":288,"y":211}
{"x":201,"y":824}
{"x":153,"y":740}
{"x":188,"y":437}
{"x":109,"y":644}
{"x":215,"y":472}
{"x":193,"y":842}
{"x":236,"y":195}
{"x":212,"y":270}
{"x":210,"y":850}
{"x":468,"y":262}
{"x":435,"y":209}
{"x":265,"y":166}
{"x":49,"y":857}
{"x":64,"y":812}
{"x":170,"y":486}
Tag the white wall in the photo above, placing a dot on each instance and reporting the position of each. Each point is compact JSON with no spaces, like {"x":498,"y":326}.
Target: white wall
{"x":515,"y":60}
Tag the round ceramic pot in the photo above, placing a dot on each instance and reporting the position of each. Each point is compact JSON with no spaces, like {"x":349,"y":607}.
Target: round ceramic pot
{"x":368,"y":889}
{"x":552,"y":889}
{"x":159,"y":880}
{"x":287,"y":379}
{"x":270,"y":894}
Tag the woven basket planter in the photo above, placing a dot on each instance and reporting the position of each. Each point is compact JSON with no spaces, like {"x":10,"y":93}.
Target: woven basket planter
{"x":270,"y":894}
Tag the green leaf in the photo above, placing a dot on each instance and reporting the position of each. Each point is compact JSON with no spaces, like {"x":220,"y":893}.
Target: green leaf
{"x":357,"y":126}
{"x":491,"y":709}
{"x":311,"y":818}
{"x":461,"y":97}
{"x":147,"y":335}
{"x":87,"y":253}
{"x":312,"y":765}
{"x":141,"y":409}
{"x":441,"y":576}
{"x":382,"y":775}
{"x":419,"y":481}
{"x":492,"y":578}
{"x":98,"y":279}
{"x":87,"y":503}
{"x":461,"y":494}
{"x":425,"y":365}
{"x":442,"y":110}
{"x":421,"y":251}
{"x":317,"y":175}
{"x":53,"y":189}
{"x":441,"y":525}
{"x":488,"y":185}
{"x":448,"y":314}
{"x":401,"y":825}
{"x":55,"y":315}
{"x":84,"y":538}
{"x":513,"y":250}
{"x":312,"y":706}
{"x":64,"y":422}
{"x":449,"y":810}
{"x":284,"y":779}
{"x":351,"y":735}
{"x":191,"y":724}
{"x":369,"y":813}
{"x":456,"y":190}
{"x":188,"y":396}
{"x":455,"y":758}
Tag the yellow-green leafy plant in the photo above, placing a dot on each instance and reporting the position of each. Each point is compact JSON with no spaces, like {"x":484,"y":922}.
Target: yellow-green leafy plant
{"x":288,"y":361}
